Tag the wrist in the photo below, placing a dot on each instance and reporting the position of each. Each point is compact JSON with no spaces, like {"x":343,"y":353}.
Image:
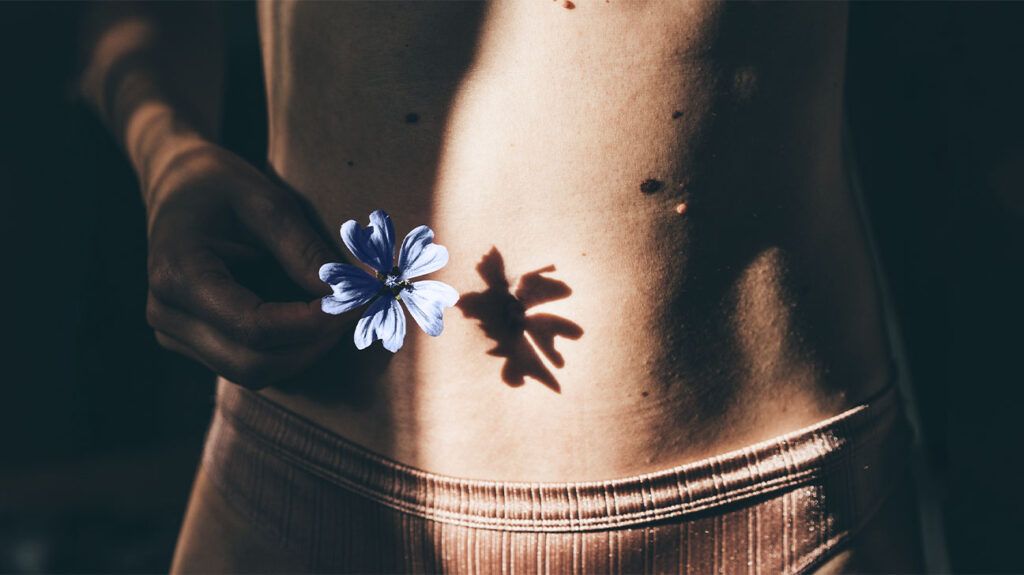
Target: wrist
{"x":157,"y":142}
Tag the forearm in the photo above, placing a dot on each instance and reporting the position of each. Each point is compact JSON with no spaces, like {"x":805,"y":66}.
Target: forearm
{"x":154,"y":74}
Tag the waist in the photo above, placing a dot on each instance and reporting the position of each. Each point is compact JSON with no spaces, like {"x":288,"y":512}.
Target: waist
{"x":468,"y":406}
{"x":865,"y":444}
{"x":594,"y":429}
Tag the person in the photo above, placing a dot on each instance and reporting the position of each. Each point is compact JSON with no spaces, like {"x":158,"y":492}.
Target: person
{"x":668,"y":352}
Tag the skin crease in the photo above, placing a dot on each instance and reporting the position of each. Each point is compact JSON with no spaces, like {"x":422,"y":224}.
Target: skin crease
{"x":753,"y":315}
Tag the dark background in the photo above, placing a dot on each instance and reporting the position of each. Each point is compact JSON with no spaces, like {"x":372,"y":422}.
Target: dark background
{"x":100,"y":430}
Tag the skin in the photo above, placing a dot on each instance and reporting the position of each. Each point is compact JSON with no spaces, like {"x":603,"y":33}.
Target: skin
{"x":730,"y":304}
{"x":540,"y":131}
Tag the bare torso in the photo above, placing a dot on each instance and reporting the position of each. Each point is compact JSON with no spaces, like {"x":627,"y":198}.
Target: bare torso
{"x":569,"y":138}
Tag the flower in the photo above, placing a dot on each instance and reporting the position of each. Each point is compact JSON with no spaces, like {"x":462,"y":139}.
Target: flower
{"x":374,"y":245}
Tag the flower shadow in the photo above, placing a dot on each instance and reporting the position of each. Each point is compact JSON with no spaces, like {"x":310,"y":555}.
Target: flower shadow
{"x":520,"y":338}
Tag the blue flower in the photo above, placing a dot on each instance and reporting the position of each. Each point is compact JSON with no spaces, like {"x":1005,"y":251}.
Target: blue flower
{"x":374,"y":245}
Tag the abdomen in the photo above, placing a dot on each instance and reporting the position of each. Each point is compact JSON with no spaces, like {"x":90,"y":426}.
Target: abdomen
{"x":551,"y":150}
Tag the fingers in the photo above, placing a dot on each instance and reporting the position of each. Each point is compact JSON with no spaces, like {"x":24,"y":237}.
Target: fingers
{"x":191,"y":278}
{"x":198,"y":308}
{"x":277,"y":221}
{"x":253,"y":368}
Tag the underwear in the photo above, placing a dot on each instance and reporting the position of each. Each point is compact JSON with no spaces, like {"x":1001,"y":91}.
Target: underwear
{"x":785,"y":505}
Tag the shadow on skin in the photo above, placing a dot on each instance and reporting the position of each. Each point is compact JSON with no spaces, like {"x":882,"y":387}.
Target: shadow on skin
{"x":502,"y":315}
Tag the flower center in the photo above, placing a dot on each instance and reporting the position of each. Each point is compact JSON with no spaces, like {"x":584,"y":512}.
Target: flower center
{"x":392,"y":283}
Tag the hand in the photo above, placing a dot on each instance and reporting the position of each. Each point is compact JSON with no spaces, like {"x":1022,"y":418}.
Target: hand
{"x":209,"y":211}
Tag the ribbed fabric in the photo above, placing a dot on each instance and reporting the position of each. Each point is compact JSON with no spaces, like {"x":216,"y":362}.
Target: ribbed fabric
{"x":779,"y":506}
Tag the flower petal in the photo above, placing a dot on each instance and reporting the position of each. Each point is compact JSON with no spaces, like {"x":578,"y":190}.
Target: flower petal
{"x":352,"y":287}
{"x":384,"y":320}
{"x":426,"y":301}
{"x":374,"y":245}
{"x":420,"y":255}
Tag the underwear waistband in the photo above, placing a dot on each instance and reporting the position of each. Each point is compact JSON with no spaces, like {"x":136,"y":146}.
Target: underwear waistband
{"x":742,"y":475}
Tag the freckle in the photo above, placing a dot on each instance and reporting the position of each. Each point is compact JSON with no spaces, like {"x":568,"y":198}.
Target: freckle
{"x":645,"y":394}
{"x":583,"y":253}
{"x":412,"y":118}
{"x":676,"y":115}
{"x":681,"y":209}
{"x":569,"y":5}
{"x":649,"y":186}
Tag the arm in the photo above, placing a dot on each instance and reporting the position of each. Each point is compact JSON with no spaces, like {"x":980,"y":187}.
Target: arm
{"x":153,"y":75}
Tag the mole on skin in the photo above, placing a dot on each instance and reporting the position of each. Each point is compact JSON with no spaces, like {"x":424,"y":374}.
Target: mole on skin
{"x":650,"y":186}
{"x":569,"y":5}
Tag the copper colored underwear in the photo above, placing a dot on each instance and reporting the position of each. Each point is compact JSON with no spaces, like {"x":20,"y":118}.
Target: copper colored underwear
{"x":784,"y":505}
